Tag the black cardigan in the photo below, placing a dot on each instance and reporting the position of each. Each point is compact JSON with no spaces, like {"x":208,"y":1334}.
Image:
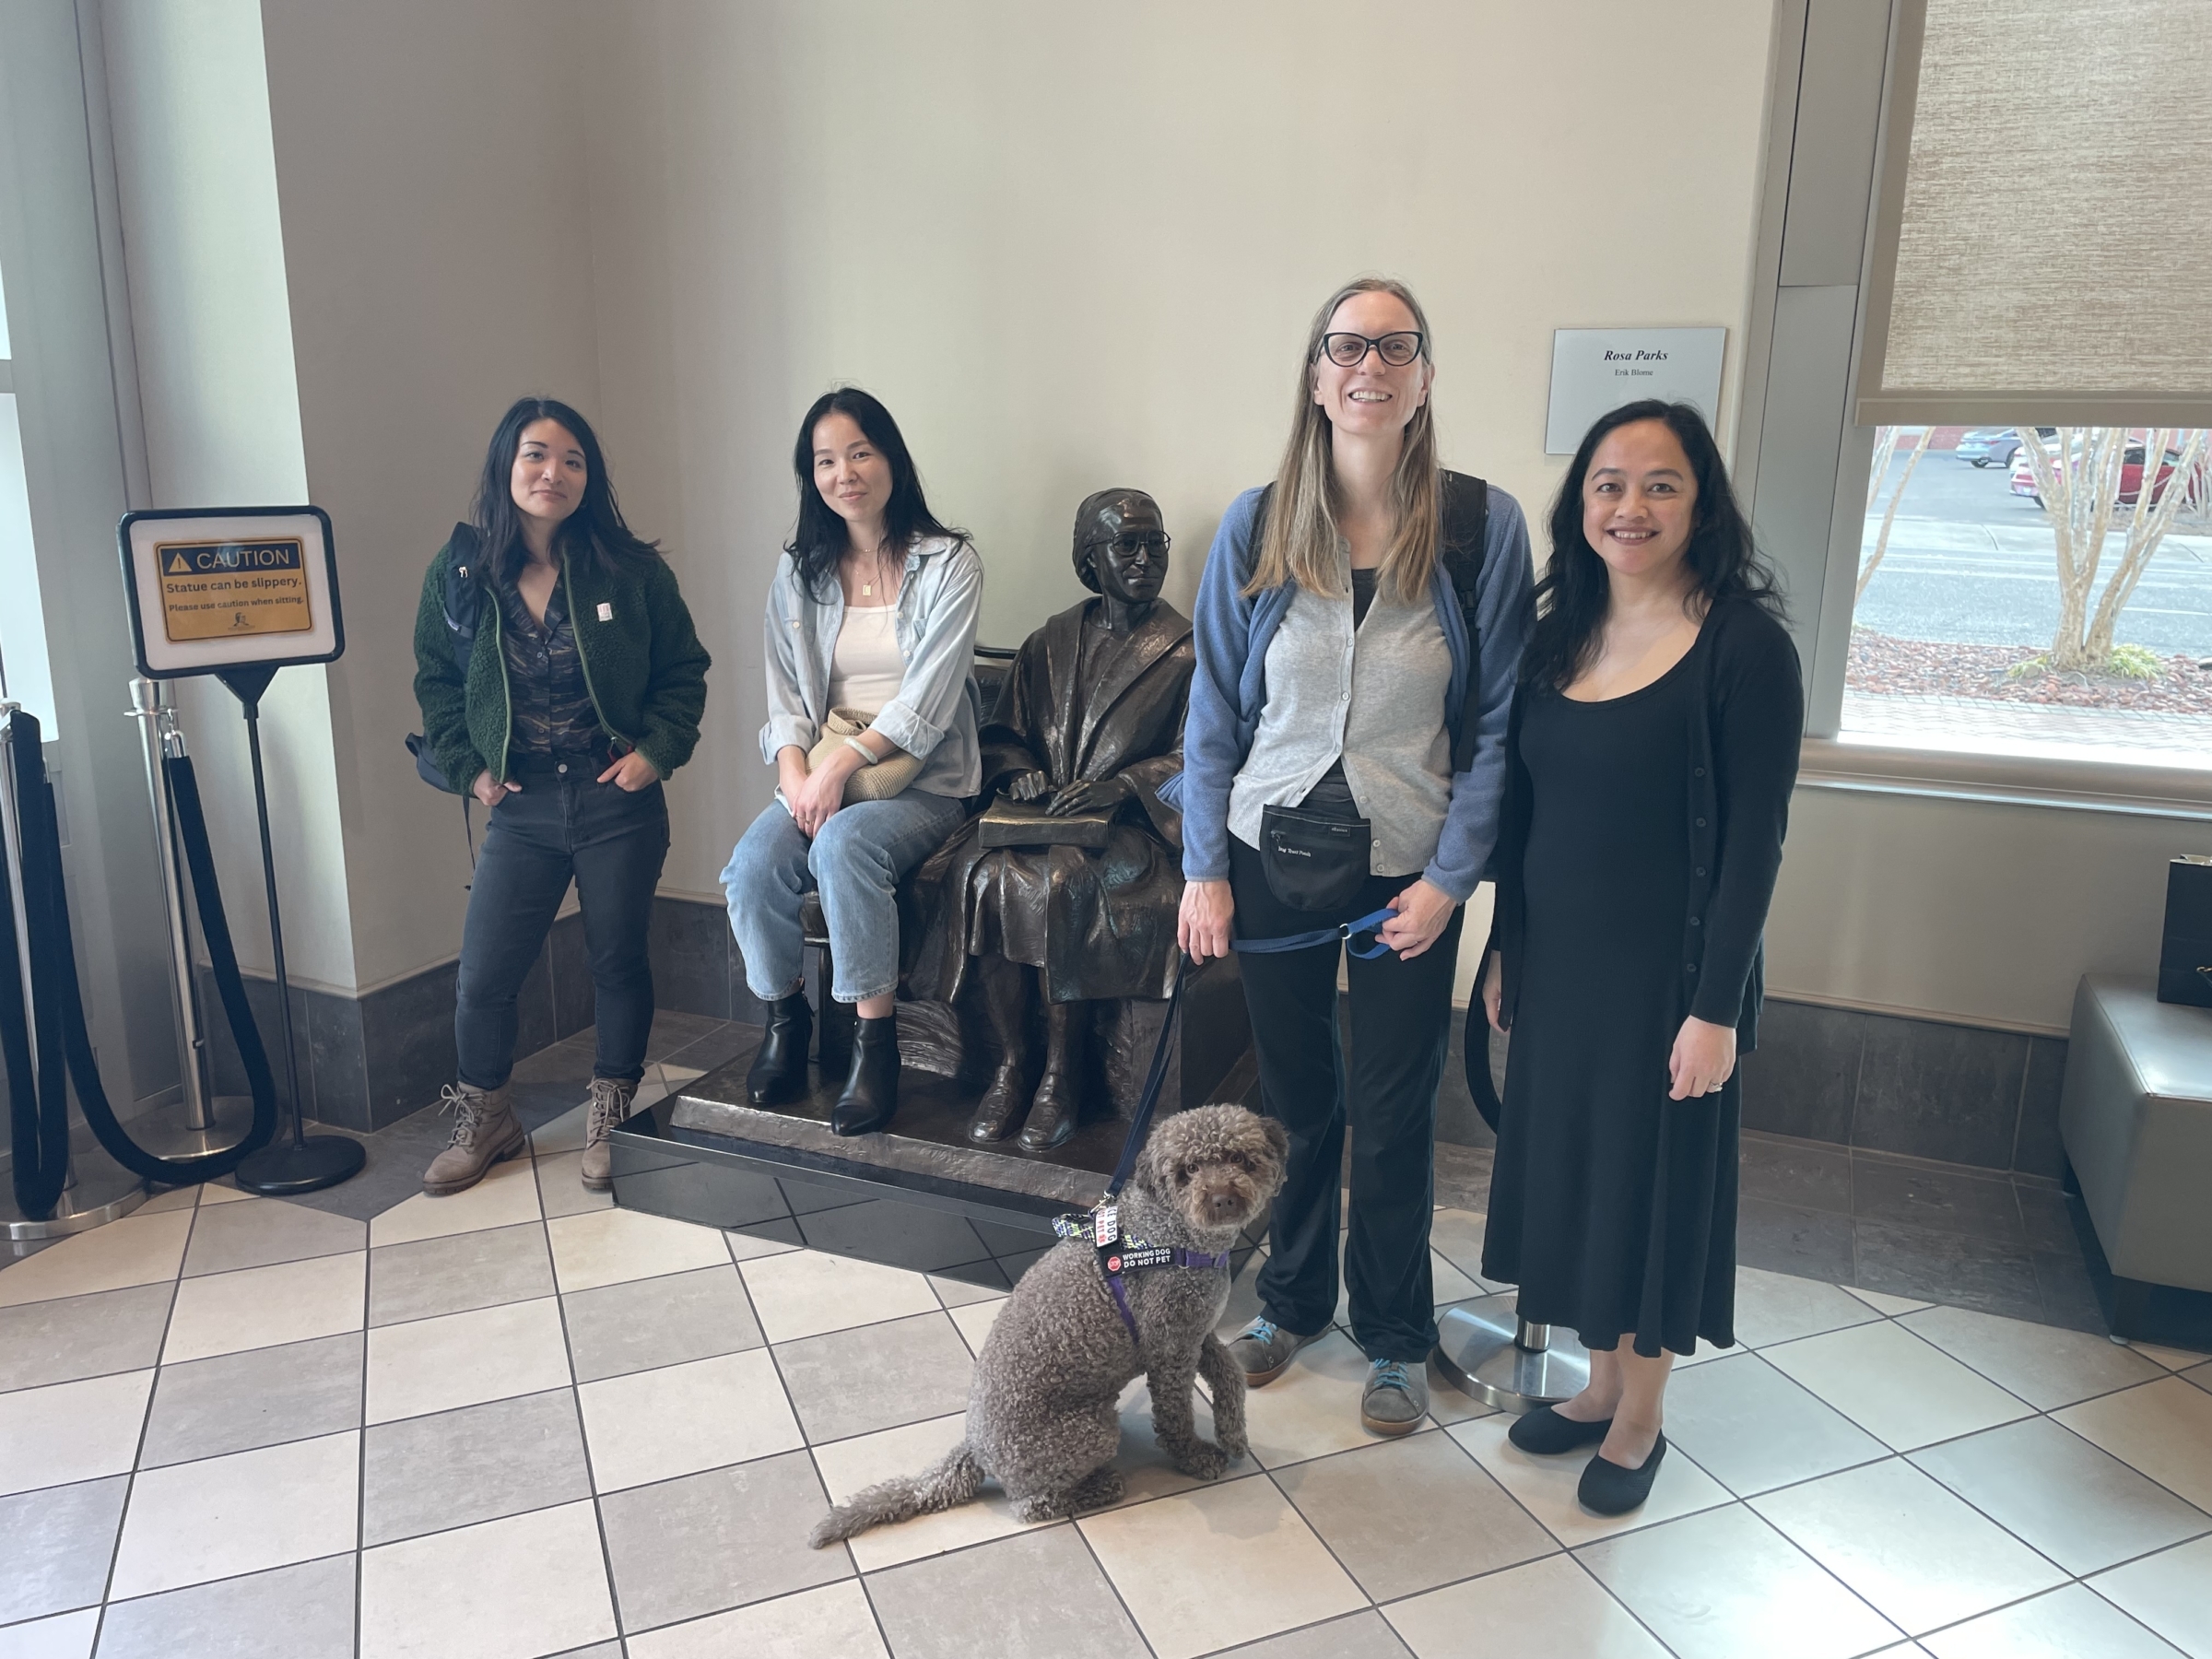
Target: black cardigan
{"x":1743,"y":758}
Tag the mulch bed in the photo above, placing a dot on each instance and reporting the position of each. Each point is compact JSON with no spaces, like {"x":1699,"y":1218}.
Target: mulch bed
{"x":1882,"y":663}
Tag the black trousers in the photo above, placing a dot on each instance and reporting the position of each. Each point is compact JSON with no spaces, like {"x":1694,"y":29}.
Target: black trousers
{"x":1401,"y":1024}
{"x":562,"y":826}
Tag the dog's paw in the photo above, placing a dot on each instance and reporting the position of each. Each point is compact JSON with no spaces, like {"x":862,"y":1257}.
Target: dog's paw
{"x":1234,"y":1446}
{"x":1200,"y":1461}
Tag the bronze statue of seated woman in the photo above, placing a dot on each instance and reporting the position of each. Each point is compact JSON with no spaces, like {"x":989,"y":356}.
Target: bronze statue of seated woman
{"x":1064,"y":890}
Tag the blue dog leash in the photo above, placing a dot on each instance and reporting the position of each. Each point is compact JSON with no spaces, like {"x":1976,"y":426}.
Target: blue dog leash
{"x":1370,"y":922}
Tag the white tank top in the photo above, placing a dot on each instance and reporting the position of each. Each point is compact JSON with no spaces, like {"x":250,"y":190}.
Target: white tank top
{"x":865,"y":669}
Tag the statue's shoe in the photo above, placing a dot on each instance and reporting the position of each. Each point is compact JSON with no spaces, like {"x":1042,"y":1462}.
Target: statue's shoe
{"x":1051,"y":1114}
{"x":1001,"y":1107}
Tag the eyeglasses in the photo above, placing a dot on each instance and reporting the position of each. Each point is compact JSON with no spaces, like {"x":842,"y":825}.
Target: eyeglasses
{"x":1130,"y":543}
{"x":1349,"y":350}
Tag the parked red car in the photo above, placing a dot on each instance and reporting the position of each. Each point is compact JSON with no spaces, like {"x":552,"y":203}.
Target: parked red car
{"x":2131,"y":477}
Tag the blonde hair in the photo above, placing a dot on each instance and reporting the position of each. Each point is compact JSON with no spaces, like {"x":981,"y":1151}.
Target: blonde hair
{"x":1301,"y":541}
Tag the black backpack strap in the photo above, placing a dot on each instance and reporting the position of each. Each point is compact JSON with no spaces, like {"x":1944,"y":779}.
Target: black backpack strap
{"x":1466,"y":511}
{"x":464,"y":592}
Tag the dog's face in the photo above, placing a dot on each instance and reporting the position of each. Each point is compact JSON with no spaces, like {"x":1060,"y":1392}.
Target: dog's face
{"x":1217,"y":1165}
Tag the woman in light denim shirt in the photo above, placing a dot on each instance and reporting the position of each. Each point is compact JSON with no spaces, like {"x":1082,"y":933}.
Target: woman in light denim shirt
{"x":874,"y":609}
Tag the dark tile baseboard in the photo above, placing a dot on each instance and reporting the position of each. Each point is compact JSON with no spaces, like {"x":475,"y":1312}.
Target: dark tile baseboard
{"x":367,"y":1062}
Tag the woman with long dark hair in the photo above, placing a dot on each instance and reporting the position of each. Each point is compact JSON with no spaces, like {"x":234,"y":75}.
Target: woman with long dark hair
{"x":1358,"y":626}
{"x":1653,"y":750}
{"x":870,"y":636}
{"x":582,"y":691}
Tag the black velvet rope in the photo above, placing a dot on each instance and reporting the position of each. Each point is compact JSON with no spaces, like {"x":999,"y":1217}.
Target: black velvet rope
{"x":38,"y":1117}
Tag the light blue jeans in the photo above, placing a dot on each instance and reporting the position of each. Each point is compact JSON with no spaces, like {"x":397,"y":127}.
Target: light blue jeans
{"x":856,"y":861}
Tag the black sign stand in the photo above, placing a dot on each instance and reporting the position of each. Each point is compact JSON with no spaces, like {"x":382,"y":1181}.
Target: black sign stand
{"x":307,"y":1163}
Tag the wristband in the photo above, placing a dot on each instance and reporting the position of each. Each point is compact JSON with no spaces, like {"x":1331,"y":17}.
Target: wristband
{"x":867,"y":755}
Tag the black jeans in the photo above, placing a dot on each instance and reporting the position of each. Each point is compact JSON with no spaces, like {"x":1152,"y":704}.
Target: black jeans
{"x":1401,"y":1023}
{"x":612,"y":843}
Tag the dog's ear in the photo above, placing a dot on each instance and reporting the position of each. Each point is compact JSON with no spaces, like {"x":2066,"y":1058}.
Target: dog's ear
{"x":1154,"y":1164}
{"x":1278,"y":1138}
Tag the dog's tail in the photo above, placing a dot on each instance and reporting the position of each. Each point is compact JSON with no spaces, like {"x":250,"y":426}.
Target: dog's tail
{"x":952,"y":1481}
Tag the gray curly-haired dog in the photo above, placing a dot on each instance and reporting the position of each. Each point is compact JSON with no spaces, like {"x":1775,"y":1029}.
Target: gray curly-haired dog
{"x":1043,"y":1418}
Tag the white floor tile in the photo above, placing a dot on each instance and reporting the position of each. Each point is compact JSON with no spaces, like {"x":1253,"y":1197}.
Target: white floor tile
{"x":1450,"y":1284}
{"x":176,"y":1198}
{"x":1883,"y":1304}
{"x":1546,"y":1486}
{"x":848,"y":1467}
{"x":2166,"y":1591}
{"x":1547,"y":1607}
{"x":223,"y":1516}
{"x":2045,"y":1366}
{"x":1216,"y":1566}
{"x":137,"y":1249}
{"x":2163,"y":1428}
{"x":1918,"y":1554}
{"x":508,"y":1195}
{"x":2072,"y":1623}
{"x":806,"y":1293}
{"x":261,"y":1307}
{"x":2170,"y":1358}
{"x":458,"y":1360}
{"x":609,"y":1246}
{"x":959,"y":1293}
{"x":1781,"y":1307}
{"x":833,"y":1622}
{"x":1902,"y":1391}
{"x":563,"y":1134}
{"x":71,"y":1431}
{"x":64,"y":1636}
{"x":975,"y":1320}
{"x":747,"y":1247}
{"x":511,"y":1589}
{"x":1726,"y":1585}
{"x":215,"y":1192}
{"x":678,"y":1420}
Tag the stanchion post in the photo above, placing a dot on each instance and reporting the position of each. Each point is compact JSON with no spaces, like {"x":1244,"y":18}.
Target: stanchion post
{"x":310,"y":1162}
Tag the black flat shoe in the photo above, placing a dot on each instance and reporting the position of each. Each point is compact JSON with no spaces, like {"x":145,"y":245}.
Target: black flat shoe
{"x":871,"y":1093}
{"x":778,"y":1070}
{"x":1545,"y":1433}
{"x":1608,"y":1490}
{"x":1051,"y":1115}
{"x":1002,"y":1106}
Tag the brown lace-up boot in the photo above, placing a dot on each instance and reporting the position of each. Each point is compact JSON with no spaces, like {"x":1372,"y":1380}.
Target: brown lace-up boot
{"x":610,"y":1104}
{"x":485,"y":1131}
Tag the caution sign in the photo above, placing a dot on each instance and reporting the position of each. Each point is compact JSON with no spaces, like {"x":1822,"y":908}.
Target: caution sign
{"x":218,"y":590}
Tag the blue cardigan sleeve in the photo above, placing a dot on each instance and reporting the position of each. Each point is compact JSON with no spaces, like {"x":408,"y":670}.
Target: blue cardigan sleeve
{"x":1505,"y":613}
{"x":1213,"y":745}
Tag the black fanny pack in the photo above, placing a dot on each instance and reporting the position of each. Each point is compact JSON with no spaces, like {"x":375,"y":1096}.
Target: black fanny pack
{"x":1316,"y":855}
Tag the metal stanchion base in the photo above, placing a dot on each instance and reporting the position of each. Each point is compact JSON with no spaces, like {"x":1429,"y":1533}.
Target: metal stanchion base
{"x":1476,"y":1350}
{"x":101,"y":1192}
{"x":164,"y":1135}
{"x":283,"y":1170}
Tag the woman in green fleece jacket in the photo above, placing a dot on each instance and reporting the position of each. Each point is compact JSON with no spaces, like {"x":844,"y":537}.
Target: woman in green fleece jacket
{"x":582,"y":691}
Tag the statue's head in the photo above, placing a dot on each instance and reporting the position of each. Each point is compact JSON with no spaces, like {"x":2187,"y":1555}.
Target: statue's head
{"x":1121,"y":546}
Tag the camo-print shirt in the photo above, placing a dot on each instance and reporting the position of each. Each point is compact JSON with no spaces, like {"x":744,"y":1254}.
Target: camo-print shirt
{"x":551,"y":702}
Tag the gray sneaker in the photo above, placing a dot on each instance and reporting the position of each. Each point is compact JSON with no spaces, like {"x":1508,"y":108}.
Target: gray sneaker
{"x":485,"y":1131}
{"x":610,"y":1105}
{"x":1396,"y":1398}
{"x":1263,"y":1348}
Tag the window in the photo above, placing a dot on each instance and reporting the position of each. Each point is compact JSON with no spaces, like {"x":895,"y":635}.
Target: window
{"x":25,"y":676}
{"x":2056,"y":605}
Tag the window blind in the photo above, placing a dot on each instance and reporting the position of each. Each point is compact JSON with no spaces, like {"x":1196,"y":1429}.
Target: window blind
{"x":2042,"y":245}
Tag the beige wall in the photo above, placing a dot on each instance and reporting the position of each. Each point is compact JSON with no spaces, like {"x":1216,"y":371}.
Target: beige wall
{"x":1079,"y":246}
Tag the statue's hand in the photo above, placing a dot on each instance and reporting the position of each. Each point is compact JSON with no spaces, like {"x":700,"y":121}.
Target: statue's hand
{"x":1083,"y":796}
{"x":1029,"y":785}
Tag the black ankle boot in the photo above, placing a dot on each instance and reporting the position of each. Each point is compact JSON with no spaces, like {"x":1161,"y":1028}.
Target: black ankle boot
{"x":778,"y":1070}
{"x":871,"y":1092}
{"x":1053,"y":1114}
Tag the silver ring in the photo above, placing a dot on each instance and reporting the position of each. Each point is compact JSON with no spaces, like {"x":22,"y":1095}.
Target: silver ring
{"x":1717,"y":1088}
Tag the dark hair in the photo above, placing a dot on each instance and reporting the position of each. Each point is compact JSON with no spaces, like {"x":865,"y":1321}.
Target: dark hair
{"x":1572,"y":594}
{"x":821,"y":537}
{"x":593,"y":536}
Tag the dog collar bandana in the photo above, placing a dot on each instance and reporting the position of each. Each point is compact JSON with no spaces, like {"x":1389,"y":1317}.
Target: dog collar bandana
{"x":1101,"y":1230}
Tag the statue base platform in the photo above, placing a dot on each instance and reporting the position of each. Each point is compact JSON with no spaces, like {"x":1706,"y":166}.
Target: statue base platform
{"x":919,"y":1195}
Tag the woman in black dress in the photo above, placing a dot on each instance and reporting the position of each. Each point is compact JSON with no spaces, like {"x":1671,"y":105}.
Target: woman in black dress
{"x":1652,"y":750}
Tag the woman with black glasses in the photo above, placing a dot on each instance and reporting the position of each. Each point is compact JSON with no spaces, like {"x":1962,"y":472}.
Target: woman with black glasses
{"x":872,"y":731}
{"x":583,"y":691}
{"x":1653,"y":752}
{"x":1358,"y":625}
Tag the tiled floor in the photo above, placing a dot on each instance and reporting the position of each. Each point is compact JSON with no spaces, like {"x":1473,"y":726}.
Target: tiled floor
{"x":519,"y":1422}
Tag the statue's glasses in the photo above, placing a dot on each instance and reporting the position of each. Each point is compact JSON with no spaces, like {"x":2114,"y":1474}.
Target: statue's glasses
{"x":1154,"y":544}
{"x":1349,"y":350}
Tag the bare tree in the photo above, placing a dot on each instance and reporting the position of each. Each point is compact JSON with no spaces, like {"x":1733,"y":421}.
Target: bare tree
{"x":2080,"y":485}
{"x":1886,"y":440}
